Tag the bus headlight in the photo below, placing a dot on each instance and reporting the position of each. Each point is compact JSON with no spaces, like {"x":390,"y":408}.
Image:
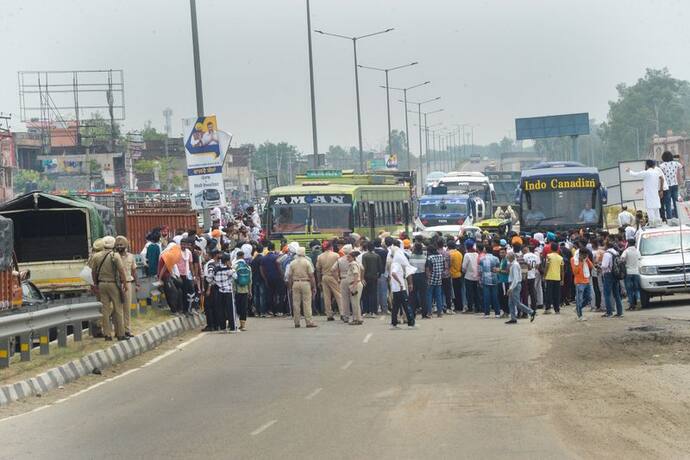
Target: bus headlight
{"x":649,"y":270}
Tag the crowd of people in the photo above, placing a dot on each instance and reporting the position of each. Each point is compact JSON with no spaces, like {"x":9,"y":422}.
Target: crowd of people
{"x":231,"y":273}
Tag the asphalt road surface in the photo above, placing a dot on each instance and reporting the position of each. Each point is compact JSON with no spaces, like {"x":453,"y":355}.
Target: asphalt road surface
{"x":456,"y":387}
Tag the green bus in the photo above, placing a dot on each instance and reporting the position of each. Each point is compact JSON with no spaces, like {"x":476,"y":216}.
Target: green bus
{"x":327,"y":204}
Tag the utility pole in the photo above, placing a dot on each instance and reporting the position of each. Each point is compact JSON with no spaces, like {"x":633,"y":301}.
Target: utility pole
{"x":197,"y":61}
{"x":315,"y":144}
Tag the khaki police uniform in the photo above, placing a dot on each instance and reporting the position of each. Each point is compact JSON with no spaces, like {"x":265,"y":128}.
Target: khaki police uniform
{"x":301,"y":271}
{"x":340,"y":269}
{"x":111,"y":270}
{"x":329,"y":282}
{"x":354,"y":272}
{"x":130,"y":264}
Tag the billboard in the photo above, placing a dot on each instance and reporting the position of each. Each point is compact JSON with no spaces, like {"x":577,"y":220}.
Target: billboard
{"x":205,"y":149}
{"x":574,"y":124}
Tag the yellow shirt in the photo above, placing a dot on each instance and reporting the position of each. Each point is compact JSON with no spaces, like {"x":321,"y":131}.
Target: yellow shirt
{"x":554,"y":262}
{"x":455,"y":263}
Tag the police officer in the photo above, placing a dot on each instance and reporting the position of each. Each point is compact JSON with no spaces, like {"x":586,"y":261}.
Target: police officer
{"x":301,"y":282}
{"x":131,"y":282}
{"x":109,"y":277}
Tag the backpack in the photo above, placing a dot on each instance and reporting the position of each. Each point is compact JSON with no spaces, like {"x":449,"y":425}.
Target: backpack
{"x":244,"y":274}
{"x":618,"y":267}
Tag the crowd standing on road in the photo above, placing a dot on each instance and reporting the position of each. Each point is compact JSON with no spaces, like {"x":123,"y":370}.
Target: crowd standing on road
{"x":230,"y":272}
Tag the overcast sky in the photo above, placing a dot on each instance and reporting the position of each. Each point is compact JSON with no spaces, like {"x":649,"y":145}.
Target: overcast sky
{"x":490,"y":61}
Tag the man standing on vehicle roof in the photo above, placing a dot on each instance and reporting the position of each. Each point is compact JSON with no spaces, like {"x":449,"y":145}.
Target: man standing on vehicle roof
{"x":653,"y":185}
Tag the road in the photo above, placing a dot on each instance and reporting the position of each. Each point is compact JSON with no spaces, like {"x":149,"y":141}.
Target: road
{"x":457,"y":387}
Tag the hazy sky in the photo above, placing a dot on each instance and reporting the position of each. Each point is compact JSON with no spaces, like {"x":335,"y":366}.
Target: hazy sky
{"x":490,"y":61}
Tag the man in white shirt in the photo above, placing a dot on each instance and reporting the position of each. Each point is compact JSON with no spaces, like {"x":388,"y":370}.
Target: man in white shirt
{"x":470,"y":267}
{"x":653,"y":183}
{"x":625,"y":217}
{"x":399,"y":287}
{"x":588,"y":215}
{"x":631,"y":256}
{"x":514,"y":287}
{"x":532,"y":261}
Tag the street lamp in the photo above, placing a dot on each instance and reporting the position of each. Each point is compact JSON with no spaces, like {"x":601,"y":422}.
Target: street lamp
{"x":388,"y":96}
{"x":407,"y":126}
{"x":359,"y":113}
{"x":426,"y":128}
{"x":419,"y":114}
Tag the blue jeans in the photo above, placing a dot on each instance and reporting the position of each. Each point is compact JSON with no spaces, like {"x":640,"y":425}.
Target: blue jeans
{"x":382,"y":293}
{"x":434,"y":292}
{"x":612,"y":288}
{"x":632,"y":287}
{"x":514,"y":303}
{"x":490,"y":292}
{"x":259,"y":298}
{"x":583,"y":296}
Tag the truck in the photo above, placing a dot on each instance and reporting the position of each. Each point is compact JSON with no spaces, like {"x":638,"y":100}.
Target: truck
{"x":52,"y":237}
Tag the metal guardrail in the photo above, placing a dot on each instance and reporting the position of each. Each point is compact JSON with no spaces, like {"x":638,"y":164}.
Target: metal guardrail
{"x":37,"y":324}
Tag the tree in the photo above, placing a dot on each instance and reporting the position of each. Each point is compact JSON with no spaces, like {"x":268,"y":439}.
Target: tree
{"x":656,"y":103}
{"x":27,"y":179}
{"x":281,"y":160}
{"x":149,"y":133}
{"x":98,"y":130}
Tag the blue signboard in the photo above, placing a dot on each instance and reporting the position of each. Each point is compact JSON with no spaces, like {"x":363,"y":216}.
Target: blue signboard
{"x":575,"y":124}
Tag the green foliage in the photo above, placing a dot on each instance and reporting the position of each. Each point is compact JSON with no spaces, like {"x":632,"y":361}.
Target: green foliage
{"x":656,"y":103}
{"x":22,"y":177}
{"x":149,"y":133}
{"x":281,"y":160}
{"x":145,"y":166}
{"x":97,"y":130}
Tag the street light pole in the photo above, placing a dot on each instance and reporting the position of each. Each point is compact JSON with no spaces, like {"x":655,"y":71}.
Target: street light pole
{"x":419,"y":123}
{"x":407,"y":125}
{"x":197,"y":61}
{"x":359,"y":112}
{"x":313,"y":97}
{"x":388,"y":96}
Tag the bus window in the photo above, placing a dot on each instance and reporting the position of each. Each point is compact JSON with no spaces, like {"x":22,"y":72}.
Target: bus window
{"x":290,"y":219}
{"x":330,"y":218}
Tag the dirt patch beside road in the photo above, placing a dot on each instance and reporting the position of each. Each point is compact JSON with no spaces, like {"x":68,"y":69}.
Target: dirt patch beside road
{"x":619,"y":387}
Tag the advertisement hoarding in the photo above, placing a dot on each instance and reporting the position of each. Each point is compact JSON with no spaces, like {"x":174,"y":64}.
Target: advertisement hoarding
{"x":205,"y":149}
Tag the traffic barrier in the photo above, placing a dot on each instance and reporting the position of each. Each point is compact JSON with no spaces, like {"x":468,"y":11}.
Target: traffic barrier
{"x":38,"y":324}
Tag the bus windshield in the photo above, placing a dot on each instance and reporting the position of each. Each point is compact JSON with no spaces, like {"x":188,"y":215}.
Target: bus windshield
{"x":290,"y":218}
{"x":561,"y":207}
{"x":330,"y":218}
{"x":442,"y":207}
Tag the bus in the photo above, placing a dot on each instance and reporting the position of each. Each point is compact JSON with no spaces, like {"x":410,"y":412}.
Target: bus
{"x":505,"y":183}
{"x":470,"y":182}
{"x":322,"y":205}
{"x":453,"y":209}
{"x":560,"y":196}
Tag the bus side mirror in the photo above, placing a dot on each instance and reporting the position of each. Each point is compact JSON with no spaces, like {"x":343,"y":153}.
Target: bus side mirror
{"x":604,"y":195}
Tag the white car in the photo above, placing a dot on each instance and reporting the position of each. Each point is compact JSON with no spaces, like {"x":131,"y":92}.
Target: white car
{"x":449,"y":230}
{"x":664,"y":267}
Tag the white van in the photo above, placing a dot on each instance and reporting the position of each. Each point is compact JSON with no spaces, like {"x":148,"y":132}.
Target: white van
{"x":664,"y":267}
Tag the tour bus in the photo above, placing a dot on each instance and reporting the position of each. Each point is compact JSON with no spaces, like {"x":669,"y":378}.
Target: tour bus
{"x":330,"y":203}
{"x":560,"y":196}
{"x":437,"y":210}
{"x":470,"y":182}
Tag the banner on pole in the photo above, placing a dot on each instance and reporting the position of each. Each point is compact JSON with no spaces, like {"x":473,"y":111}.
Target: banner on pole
{"x":205,"y":149}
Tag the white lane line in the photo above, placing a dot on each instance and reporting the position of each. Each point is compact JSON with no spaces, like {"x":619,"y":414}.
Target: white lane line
{"x":346,"y":365}
{"x":103,"y":382}
{"x":38,"y":409}
{"x":263,"y":427}
{"x":313,"y":393}
{"x":366,"y":339}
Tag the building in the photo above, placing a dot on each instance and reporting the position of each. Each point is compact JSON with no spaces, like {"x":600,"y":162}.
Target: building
{"x":678,"y":145}
{"x":8,"y":163}
{"x":237,"y":176}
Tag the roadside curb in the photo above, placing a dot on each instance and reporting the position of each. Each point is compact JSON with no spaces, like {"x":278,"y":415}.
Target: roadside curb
{"x":102,"y":359}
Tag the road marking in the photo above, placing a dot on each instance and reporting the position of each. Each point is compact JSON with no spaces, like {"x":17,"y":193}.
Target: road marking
{"x":346,"y":365}
{"x":382,"y":317}
{"x":111,"y":379}
{"x":313,"y":393}
{"x":366,"y":339}
{"x":263,"y":428}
